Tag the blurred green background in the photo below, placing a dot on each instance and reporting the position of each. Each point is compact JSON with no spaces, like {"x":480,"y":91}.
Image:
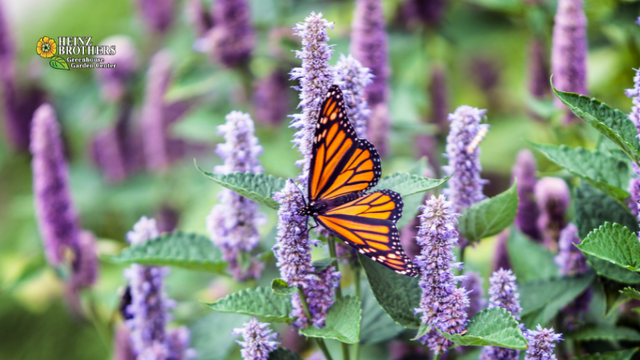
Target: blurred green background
{"x":35,"y":323}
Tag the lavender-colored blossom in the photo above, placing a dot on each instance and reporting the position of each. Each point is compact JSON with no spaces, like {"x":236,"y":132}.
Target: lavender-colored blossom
{"x":439,"y":97}
{"x":108,"y":153}
{"x":270,"y":100}
{"x":16,"y":132}
{"x":258,"y":340}
{"x":634,"y":94}
{"x":541,"y":343}
{"x":429,"y":11}
{"x":319,"y":294}
{"x":353,"y":78}
{"x":399,"y":350}
{"x":84,"y":268}
{"x":569,"y":51}
{"x":503,"y":294}
{"x":115,"y":81}
{"x":486,"y":73}
{"x":157,"y":14}
{"x":232,"y":39}
{"x":473,"y":283}
{"x":465,"y":186}
{"x":538,"y":69}
{"x":316,"y":76}
{"x":167,"y":218}
{"x":524,"y":170}
{"x":443,"y":305}
{"x":199,"y":17}
{"x":178,"y":341}
{"x":501,"y":258}
{"x":55,"y":212}
{"x":634,"y":182}
{"x":122,"y":349}
{"x":552,"y":195}
{"x":369,"y":46}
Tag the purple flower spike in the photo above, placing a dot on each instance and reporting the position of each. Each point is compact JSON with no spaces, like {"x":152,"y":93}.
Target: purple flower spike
{"x":473,"y":283}
{"x":316,"y":76}
{"x":55,"y":212}
{"x":85,"y":263}
{"x":541,"y":343}
{"x":443,"y":304}
{"x":270,"y":99}
{"x":199,"y":17}
{"x":353,"y":78}
{"x":158,"y":14}
{"x":114,"y":81}
{"x":538,"y":69}
{"x":232,"y":39}
{"x":525,"y":171}
{"x":569,"y":51}
{"x":122,"y":345}
{"x":501,"y":258}
{"x":178,"y":342}
{"x":369,"y":46}
{"x":465,"y":187}
{"x":439,"y":96}
{"x":107,"y":152}
{"x":552,"y":196}
{"x":233,"y":223}
{"x":503,"y":294}
{"x":258,"y":340}
{"x":634,"y":94}
{"x":319,"y":294}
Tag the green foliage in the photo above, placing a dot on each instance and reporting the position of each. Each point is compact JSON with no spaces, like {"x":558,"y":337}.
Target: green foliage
{"x":612,"y":294}
{"x":489,"y":216}
{"x":492,"y":327}
{"x":594,"y":208}
{"x":411,"y":209}
{"x":376,"y":326}
{"x":261,"y":302}
{"x":612,"y":271}
{"x":613,"y":355}
{"x":283,"y":354}
{"x":282,"y":288}
{"x":529,"y":260}
{"x":191,"y":251}
{"x":604,"y":171}
{"x":58,"y":62}
{"x":398,"y":295}
{"x":322,"y":264}
{"x":407,"y":184}
{"x":631,"y":292}
{"x":614,"y":243}
{"x":342,"y":323}
{"x":602,"y":332}
{"x":206,"y":336}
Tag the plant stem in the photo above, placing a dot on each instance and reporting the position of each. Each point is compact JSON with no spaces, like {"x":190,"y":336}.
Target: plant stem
{"x":332,"y":252}
{"x":320,"y":341}
{"x":324,"y":349}
{"x":462,"y":251}
{"x":357,"y":271}
{"x":436,"y":356}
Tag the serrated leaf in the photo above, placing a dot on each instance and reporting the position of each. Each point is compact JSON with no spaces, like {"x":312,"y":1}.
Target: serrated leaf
{"x":256,"y":187}
{"x":191,"y":251}
{"x":422,"y":331}
{"x":58,"y":62}
{"x":612,"y":271}
{"x":612,"y":295}
{"x":282,"y":288}
{"x":613,"y":355}
{"x":376,"y":326}
{"x":492,"y":327}
{"x":529,"y":260}
{"x":407,"y":184}
{"x":211,"y":335}
{"x":602,"y":332}
{"x":398,"y":295}
{"x":489,"y":216}
{"x":614,"y":243}
{"x":322,"y":264}
{"x":342,"y":323}
{"x":631,"y":292}
{"x":283,"y":354}
{"x":261,"y":302}
{"x":602,"y":170}
{"x":594,"y":208}
{"x":612,"y":123}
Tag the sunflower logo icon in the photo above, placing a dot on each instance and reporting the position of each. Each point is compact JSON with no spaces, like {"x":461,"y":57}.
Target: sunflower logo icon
{"x":46,"y":47}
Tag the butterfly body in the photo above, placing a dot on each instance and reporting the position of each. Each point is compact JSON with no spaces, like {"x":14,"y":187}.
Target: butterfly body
{"x":343,"y":168}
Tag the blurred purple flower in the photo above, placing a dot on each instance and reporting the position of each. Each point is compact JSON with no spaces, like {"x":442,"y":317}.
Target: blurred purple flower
{"x":114,"y":82}
{"x":167,"y":218}
{"x":258,"y":340}
{"x":55,"y":212}
{"x":538,"y":69}
{"x":316,"y":76}
{"x":369,"y":46}
{"x":634,"y":94}
{"x":465,"y":186}
{"x":634,"y":183}
{"x":199,"y":17}
{"x":399,"y":350}
{"x":319,"y":294}
{"x":503,"y":294}
{"x":439,"y":97}
{"x":233,"y":223}
{"x":569,"y":51}
{"x":408,"y":238}
{"x":524,"y":170}
{"x":232,"y":38}
{"x":473,"y":283}
{"x":122,"y":349}
{"x":157,"y":14}
{"x":270,"y":99}
{"x":443,"y":304}
{"x":84,"y":268}
{"x":429,"y":11}
{"x":107,"y":151}
{"x":552,"y":195}
{"x":486,"y":73}
{"x":501,"y":258}
{"x":541,"y":343}
{"x":353,"y":79}
{"x":178,"y":342}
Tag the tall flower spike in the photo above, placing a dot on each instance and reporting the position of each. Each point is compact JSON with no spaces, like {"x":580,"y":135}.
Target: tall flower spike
{"x":85,"y":263}
{"x":502,"y":292}
{"x":319,"y":295}
{"x":157,"y":14}
{"x":501,"y":258}
{"x":233,"y":223}
{"x":634,"y":182}
{"x":552,"y":196}
{"x":538,"y":69}
{"x":55,"y":212}
{"x":473,"y":283}
{"x":541,"y":343}
{"x":369,"y":46}
{"x":271,"y":98}
{"x":439,"y":97}
{"x":258,"y":340}
{"x":232,"y":39}
{"x":524,"y":170}
{"x":114,"y":81}
{"x":353,"y":78}
{"x":316,"y":76}
{"x":569,"y":51}
{"x":634,"y":94}
{"x":16,"y":131}
{"x":465,"y":186}
{"x":443,"y":304}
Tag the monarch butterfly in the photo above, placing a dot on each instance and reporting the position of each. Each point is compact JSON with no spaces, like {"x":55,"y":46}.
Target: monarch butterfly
{"x":342,"y":168}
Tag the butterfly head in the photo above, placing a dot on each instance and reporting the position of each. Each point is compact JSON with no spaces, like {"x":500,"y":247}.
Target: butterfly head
{"x":314,"y":208}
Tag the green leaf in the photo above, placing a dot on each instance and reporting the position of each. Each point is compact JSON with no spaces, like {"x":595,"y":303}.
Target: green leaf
{"x":260,"y":302}
{"x":411,"y":209}
{"x":529,"y":260}
{"x":342,"y":323}
{"x":613,"y":355}
{"x":406,"y":184}
{"x":206,"y":336}
{"x":283,"y":354}
{"x":191,"y":251}
{"x":614,"y":243}
{"x":398,"y":295}
{"x":58,"y":62}
{"x":612,"y":123}
{"x":612,"y":295}
{"x":492,"y":327}
{"x":612,"y":271}
{"x":602,"y":170}
{"x":376,"y":326}
{"x":602,"y":332}
{"x":489,"y":216}
{"x":594,"y":208}
{"x":422,"y":331}
{"x":282,"y":288}
{"x":631,"y":292}
{"x":256,"y":187}
{"x":322,"y":264}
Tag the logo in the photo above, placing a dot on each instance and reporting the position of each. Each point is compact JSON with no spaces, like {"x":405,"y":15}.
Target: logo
{"x":72,"y":46}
